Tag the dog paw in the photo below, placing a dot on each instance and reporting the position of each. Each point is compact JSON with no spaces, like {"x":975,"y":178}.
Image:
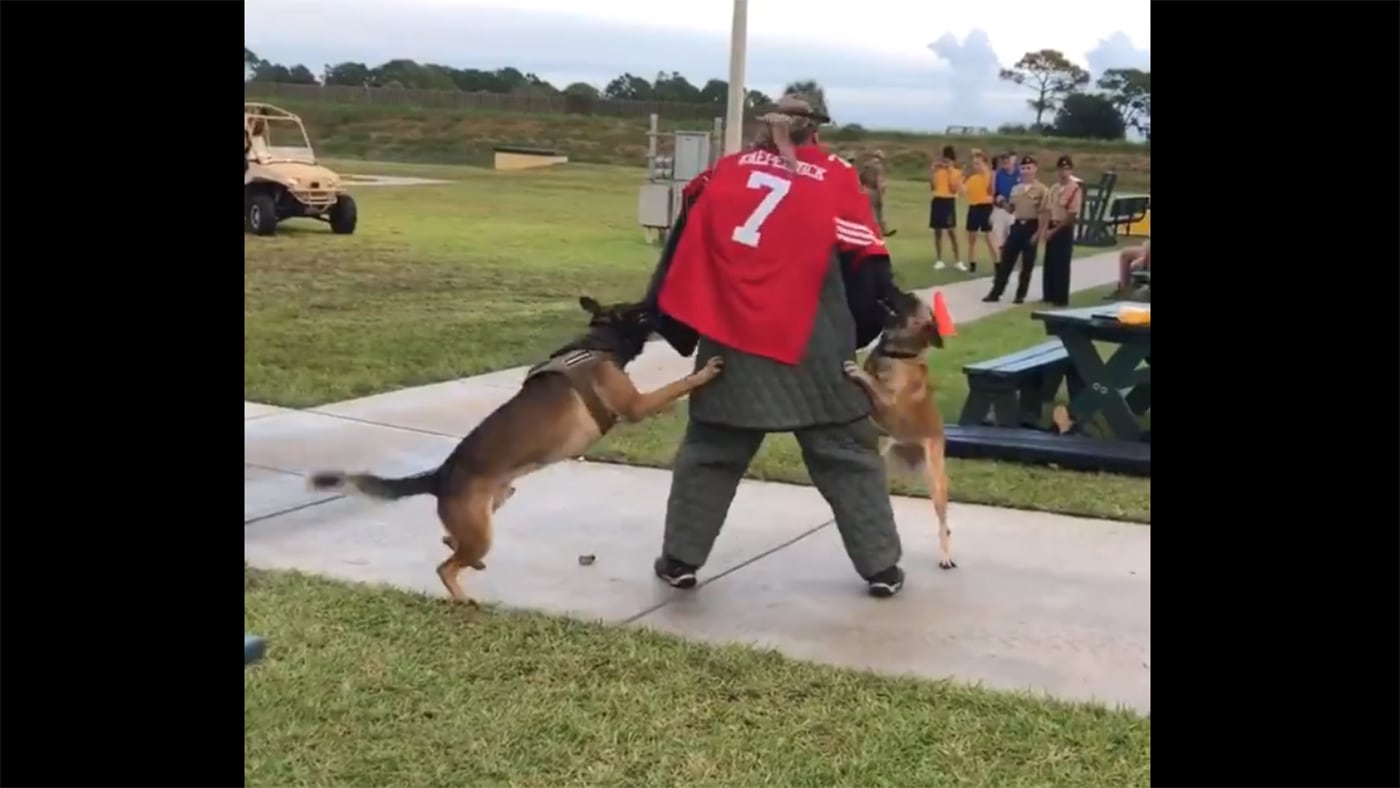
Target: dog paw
{"x":478,"y":566}
{"x":947,"y":563}
{"x":712,"y":368}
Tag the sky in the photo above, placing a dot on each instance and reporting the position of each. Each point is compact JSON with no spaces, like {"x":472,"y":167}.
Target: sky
{"x":894,"y":64}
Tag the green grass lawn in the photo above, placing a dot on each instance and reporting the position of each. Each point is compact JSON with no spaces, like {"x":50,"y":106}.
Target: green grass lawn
{"x":445,"y":281}
{"x":368,"y":686}
{"x":483,"y":273}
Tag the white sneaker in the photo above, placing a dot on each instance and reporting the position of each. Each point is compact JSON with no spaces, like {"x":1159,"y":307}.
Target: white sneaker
{"x":961,"y":266}
{"x":940,"y":265}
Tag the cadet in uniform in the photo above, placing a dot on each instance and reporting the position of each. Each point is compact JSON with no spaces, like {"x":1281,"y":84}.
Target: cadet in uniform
{"x":1065,"y":199}
{"x":872,"y":179}
{"x":1028,"y":210}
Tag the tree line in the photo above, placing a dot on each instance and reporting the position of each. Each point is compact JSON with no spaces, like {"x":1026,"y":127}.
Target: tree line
{"x":404,"y":73}
{"x":1123,"y":99}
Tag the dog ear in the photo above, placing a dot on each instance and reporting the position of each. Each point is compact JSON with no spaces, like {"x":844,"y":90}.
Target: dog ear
{"x":589,"y":305}
{"x":934,"y":338}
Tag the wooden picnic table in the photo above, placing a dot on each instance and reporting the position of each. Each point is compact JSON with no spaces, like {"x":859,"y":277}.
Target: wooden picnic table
{"x":1114,"y":387}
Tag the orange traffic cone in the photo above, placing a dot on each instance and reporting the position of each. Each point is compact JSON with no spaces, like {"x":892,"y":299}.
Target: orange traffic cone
{"x":941,"y":316}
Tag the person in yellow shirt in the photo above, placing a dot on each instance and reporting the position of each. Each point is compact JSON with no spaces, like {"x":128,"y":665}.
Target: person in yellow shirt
{"x":978,"y":188}
{"x":946,"y":180}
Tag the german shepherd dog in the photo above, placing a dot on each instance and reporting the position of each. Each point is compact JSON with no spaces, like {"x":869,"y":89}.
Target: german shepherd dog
{"x":564,"y":406}
{"x":895,"y":376}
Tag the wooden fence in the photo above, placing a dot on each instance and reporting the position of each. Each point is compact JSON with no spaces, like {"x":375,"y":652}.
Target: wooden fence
{"x":554,"y":103}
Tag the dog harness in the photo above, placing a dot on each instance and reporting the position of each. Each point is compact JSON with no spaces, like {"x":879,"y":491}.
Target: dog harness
{"x":577,"y":366}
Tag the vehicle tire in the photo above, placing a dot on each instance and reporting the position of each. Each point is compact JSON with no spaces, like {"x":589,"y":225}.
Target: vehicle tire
{"x":344,"y":215}
{"x":260,"y":214}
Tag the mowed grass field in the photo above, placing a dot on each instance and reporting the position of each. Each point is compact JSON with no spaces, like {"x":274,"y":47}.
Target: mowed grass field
{"x":448,"y":136}
{"x":367,"y":686}
{"x":484,"y":273}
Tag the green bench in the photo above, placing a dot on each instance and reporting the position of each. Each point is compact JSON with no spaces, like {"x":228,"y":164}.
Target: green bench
{"x":1103,"y":214}
{"x":1037,"y":447}
{"x":254,"y":649}
{"x":1012,"y":390}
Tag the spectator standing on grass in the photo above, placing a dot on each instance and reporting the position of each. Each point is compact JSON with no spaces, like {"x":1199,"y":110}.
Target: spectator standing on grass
{"x":1028,"y":215}
{"x":1003,"y":181}
{"x":945,"y":179}
{"x":872,"y":179}
{"x":1065,"y":199}
{"x":978,"y":188}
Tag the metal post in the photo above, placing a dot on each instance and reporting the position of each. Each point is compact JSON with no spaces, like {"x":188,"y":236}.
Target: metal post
{"x":738,"y":44}
{"x":717,"y":146}
{"x":651,"y":147}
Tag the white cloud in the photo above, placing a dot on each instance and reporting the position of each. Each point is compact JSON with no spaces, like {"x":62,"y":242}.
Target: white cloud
{"x":874,"y":58}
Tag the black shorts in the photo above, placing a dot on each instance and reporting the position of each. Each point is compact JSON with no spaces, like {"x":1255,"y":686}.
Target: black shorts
{"x":942,"y":213}
{"x":979,"y":218}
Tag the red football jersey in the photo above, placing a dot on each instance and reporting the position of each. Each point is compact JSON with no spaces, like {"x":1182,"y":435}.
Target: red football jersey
{"x":748,"y":268}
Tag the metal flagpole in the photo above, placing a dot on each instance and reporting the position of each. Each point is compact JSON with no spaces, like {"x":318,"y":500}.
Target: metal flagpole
{"x":738,"y":43}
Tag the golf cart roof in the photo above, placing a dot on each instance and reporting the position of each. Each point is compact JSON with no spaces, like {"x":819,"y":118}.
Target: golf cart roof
{"x":259,"y":110}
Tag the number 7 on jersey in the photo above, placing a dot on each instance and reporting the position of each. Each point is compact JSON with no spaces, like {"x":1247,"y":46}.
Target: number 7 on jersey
{"x":749,"y":233}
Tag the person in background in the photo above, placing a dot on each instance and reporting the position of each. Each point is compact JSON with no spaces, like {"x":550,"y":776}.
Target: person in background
{"x":946,"y":180}
{"x":1138,"y":258}
{"x":1065,"y":200}
{"x":1028,"y":216}
{"x":872,"y":179}
{"x":1004,"y":180}
{"x":978,"y":187}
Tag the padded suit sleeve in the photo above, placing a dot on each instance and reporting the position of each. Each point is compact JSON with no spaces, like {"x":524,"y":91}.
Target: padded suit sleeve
{"x":681,"y":337}
{"x":865,"y":261}
{"x":855,"y":226}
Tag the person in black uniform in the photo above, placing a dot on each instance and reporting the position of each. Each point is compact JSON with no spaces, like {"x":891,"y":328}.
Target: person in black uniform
{"x":1063,"y":202}
{"x":1028,"y":216}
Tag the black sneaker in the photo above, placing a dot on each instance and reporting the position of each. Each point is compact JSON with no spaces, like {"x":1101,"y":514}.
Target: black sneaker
{"x":1018,"y":300}
{"x":991,"y":299}
{"x":675,"y":573}
{"x":972,"y":266}
{"x":887,"y":583}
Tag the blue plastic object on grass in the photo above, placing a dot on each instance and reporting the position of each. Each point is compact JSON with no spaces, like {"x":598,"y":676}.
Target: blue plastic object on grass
{"x":253,"y":649}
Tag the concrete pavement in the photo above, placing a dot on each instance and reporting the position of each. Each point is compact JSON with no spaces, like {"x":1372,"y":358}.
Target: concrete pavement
{"x":1045,"y":602}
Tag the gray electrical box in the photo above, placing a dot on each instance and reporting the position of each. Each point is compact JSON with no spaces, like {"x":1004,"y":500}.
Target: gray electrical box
{"x":655,"y":206}
{"x":692,"y":155}
{"x":658,"y":202}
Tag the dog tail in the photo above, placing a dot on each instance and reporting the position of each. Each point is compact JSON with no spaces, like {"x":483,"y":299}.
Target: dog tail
{"x":906,"y":458}
{"x":377,"y":486}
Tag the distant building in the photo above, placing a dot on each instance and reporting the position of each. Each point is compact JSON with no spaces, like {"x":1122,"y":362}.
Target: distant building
{"x":967,"y":131}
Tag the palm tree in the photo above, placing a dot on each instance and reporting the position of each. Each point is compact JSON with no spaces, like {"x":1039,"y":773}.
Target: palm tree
{"x":813,"y":91}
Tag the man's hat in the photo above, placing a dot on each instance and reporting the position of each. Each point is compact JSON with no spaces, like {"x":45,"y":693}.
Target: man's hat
{"x":1064,"y":162}
{"x":798,"y":106}
{"x":1027,"y":160}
